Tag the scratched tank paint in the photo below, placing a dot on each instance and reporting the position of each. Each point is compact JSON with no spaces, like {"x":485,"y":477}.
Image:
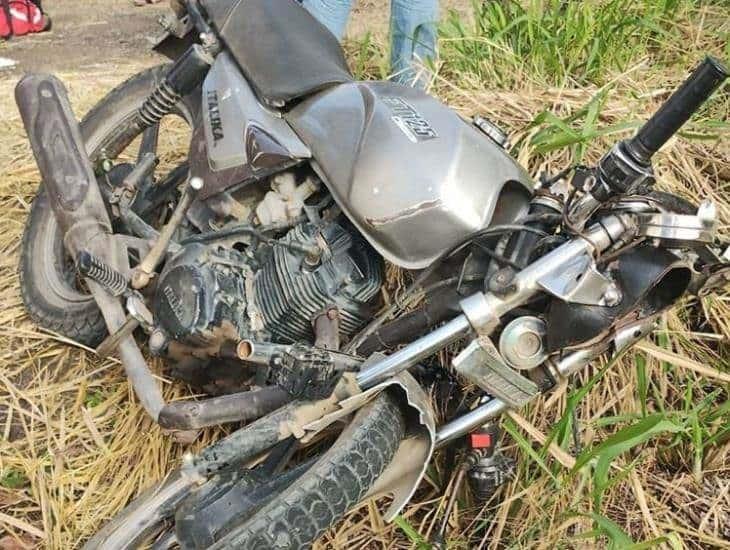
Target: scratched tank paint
{"x":410,"y":173}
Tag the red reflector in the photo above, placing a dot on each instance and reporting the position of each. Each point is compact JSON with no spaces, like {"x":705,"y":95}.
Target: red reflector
{"x":480,"y":440}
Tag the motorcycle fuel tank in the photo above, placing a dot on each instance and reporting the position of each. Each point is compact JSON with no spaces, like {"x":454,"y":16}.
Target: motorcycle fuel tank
{"x":407,"y":170}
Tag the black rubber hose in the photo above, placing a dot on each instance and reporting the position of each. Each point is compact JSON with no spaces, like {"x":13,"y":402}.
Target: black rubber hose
{"x":435,"y":310}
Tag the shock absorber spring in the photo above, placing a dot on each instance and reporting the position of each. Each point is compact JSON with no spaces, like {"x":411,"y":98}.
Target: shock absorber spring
{"x":182,"y":78}
{"x":159,"y":103}
{"x":98,"y":271}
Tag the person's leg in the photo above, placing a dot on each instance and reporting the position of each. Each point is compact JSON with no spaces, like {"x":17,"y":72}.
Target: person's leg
{"x":413,"y":39}
{"x":333,"y":14}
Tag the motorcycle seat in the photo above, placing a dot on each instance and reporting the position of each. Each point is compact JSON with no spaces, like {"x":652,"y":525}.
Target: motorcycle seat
{"x":283,"y":51}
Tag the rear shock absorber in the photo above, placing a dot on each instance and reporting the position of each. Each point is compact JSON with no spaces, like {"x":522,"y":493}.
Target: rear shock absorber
{"x":182,"y":78}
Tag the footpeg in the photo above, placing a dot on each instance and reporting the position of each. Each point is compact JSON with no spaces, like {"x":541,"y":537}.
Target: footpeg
{"x":481,"y":363}
{"x":305,"y":372}
{"x":104,"y":275}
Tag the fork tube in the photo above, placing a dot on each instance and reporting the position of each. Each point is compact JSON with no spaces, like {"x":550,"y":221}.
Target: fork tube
{"x":469,"y":421}
{"x":414,"y":352}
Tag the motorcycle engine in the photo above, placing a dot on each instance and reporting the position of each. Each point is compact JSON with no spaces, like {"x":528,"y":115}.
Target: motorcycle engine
{"x":208,"y":294}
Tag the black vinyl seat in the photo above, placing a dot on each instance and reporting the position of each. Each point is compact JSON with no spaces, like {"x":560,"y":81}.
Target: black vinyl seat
{"x":284,"y":52}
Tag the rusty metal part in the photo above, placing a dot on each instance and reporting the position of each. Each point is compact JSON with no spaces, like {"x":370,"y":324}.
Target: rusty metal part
{"x":236,"y":407}
{"x":143,"y":273}
{"x":111,"y":342}
{"x":326,"y":327}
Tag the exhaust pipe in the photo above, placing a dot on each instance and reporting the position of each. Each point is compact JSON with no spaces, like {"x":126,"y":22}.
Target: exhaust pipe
{"x":77,"y":204}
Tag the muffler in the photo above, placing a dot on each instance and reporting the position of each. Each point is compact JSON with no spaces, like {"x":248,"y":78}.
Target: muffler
{"x":74,"y":195}
{"x":65,"y":168}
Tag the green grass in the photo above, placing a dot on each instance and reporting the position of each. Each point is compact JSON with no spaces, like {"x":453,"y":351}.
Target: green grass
{"x":556,"y":41}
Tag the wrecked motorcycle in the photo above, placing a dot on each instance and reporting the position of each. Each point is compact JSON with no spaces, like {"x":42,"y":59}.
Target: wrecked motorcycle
{"x":257,"y":266}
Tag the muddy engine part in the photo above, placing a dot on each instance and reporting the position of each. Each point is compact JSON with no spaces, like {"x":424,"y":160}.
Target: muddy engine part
{"x":201,"y":296}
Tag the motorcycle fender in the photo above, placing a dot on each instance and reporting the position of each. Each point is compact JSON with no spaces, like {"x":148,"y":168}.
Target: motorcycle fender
{"x":402,"y":477}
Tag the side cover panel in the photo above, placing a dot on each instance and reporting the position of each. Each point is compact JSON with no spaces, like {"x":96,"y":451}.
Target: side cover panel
{"x":409,"y":172}
{"x":240,"y":140}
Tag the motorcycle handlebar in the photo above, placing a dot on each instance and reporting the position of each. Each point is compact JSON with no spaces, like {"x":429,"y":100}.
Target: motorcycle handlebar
{"x":684,"y":102}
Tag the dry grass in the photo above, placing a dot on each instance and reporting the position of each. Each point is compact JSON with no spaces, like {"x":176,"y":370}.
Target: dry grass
{"x":82,"y":446}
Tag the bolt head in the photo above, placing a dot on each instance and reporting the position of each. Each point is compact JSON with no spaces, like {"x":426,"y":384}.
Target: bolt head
{"x":196,"y":183}
{"x":612,"y":296}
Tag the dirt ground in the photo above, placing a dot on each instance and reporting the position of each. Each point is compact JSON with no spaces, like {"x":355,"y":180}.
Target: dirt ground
{"x":88,"y":34}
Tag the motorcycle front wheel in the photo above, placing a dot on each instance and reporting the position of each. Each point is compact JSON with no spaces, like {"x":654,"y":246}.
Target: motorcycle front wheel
{"x":288,"y":511}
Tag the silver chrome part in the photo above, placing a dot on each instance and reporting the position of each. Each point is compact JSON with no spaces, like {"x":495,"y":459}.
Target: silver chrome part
{"x":480,"y":312}
{"x":628,"y":335}
{"x":570,"y":364}
{"x":580,"y":282}
{"x":485,"y":311}
{"x":609,"y":230}
{"x":469,"y":421}
{"x":492,"y":131}
{"x":481,"y":364}
{"x":582,"y":209}
{"x":229,"y":108}
{"x":622,"y":339}
{"x":414,"y":352}
{"x":577,"y":360}
{"x":701,"y":227}
{"x":137,"y":308}
{"x":522,"y":342}
{"x":411,"y":196}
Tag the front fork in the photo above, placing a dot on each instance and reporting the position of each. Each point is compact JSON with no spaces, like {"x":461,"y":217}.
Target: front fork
{"x":482,"y":313}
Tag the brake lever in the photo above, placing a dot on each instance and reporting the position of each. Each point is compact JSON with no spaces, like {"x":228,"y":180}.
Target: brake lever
{"x":700,"y":227}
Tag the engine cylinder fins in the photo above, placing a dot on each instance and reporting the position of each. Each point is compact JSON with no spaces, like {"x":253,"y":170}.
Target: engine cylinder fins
{"x":522,"y":342}
{"x":289,"y":297}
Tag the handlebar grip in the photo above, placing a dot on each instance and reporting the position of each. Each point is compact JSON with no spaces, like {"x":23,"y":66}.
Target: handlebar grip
{"x":684,"y":102}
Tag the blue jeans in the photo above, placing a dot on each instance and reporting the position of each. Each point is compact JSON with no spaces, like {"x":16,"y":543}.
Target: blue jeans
{"x":412,"y":30}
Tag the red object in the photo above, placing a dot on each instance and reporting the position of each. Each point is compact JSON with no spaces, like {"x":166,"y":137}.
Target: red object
{"x":480,"y":440}
{"x":18,"y":17}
